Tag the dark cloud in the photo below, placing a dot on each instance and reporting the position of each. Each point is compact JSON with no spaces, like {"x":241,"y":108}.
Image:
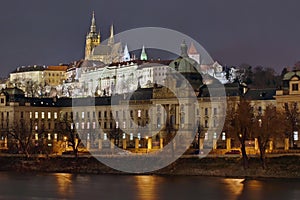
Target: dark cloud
{"x":233,"y":31}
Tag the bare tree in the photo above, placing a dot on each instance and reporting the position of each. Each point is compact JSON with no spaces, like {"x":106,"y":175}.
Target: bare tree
{"x":23,"y":133}
{"x":268,"y":126}
{"x":292,"y":115}
{"x":67,"y":128}
{"x":242,"y":123}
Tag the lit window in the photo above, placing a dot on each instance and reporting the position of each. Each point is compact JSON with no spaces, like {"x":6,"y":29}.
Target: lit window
{"x":36,"y":115}
{"x":55,"y":136}
{"x":77,"y":125}
{"x":124,"y":124}
{"x":88,"y":125}
{"x":49,"y":115}
{"x":117,"y":124}
{"x":30,"y":115}
{"x":88,"y":136}
{"x":94,"y":125}
{"x":131,"y":136}
{"x":43,"y":115}
{"x":72,"y":126}
{"x":223,"y":136}
{"x":206,"y":136}
{"x":49,"y":136}
{"x":36,"y":136}
{"x":296,"y":136}
{"x":82,"y":115}
{"x":139,"y":136}
{"x":124,"y":136}
{"x":105,"y":136}
{"x":55,"y":115}
{"x":82,"y":125}
{"x":139,"y":113}
{"x":215,"y":135}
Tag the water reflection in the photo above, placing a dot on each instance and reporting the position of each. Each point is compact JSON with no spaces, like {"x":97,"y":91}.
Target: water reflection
{"x":64,"y":184}
{"x":147,"y":187}
{"x":235,"y":187}
{"x":67,"y":186}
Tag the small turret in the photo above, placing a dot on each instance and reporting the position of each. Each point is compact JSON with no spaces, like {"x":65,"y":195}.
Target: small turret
{"x":143,"y":54}
{"x":126,"y":55}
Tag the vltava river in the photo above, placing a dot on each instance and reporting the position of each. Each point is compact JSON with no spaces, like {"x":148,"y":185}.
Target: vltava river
{"x":110,"y":187}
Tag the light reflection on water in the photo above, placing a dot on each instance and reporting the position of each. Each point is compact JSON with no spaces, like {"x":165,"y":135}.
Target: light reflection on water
{"x":71,"y":186}
{"x":147,"y":187}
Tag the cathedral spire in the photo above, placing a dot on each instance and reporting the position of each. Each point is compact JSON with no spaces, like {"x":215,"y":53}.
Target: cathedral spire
{"x":111,"y":39}
{"x":93,"y":24}
{"x":143,"y":54}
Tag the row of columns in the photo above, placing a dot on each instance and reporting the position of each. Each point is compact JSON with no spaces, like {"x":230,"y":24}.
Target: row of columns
{"x":124,"y":144}
{"x":228,"y":144}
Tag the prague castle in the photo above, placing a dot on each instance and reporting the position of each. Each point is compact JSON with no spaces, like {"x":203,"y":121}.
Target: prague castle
{"x":95,"y":50}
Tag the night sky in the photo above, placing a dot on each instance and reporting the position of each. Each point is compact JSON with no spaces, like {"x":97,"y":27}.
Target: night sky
{"x":49,"y":32}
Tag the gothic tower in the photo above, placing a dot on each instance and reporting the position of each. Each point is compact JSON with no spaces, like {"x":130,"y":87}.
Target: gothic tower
{"x":92,"y":38}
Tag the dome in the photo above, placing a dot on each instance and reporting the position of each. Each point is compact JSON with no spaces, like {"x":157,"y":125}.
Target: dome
{"x":187,"y":67}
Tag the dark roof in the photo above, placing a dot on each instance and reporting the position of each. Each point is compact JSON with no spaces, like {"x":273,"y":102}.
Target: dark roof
{"x":261,"y":94}
{"x":29,"y":68}
{"x":231,"y":89}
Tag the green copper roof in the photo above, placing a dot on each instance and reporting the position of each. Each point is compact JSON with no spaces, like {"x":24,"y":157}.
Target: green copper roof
{"x":289,"y":75}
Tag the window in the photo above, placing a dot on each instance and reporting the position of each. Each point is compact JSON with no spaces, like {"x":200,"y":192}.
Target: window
{"x":124,"y":124}
{"x":215,"y":123}
{"x":131,"y":113}
{"x":30,"y":115}
{"x":206,"y":111}
{"x":82,"y":115}
{"x":206,"y":124}
{"x":55,"y":115}
{"x":105,"y":136}
{"x":94,"y":125}
{"x":215,"y":135}
{"x":88,"y":115}
{"x":2,"y":100}
{"x":43,"y":115}
{"x":99,"y":114}
{"x":82,"y":125}
{"x":105,"y":114}
{"x":139,"y":113}
{"x":117,"y":124}
{"x":49,"y":115}
{"x":223,"y":136}
{"x":295,"y":87}
{"x":296,"y":136}
{"x":158,"y":122}
{"x":215,"y":111}
{"x":124,"y":136}
{"x":49,"y":136}
{"x":36,"y":115}
{"x":88,"y":125}
{"x":94,"y":115}
{"x":131,"y":136}
{"x":22,"y":115}
{"x":206,"y":136}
